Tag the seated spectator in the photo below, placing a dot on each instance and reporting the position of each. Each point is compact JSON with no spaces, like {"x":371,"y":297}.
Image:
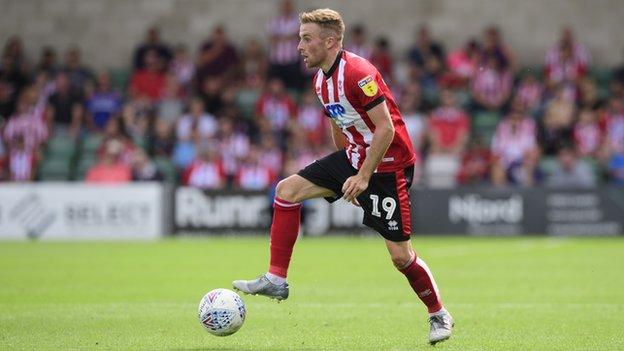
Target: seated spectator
{"x":283,"y":33}
{"x":110,"y":168}
{"x":587,"y":134}
{"x":556,"y":127}
{"x":27,"y":123}
{"x":463,"y":62}
{"x":206,"y":171}
{"x":616,"y":169}
{"x":253,"y":174}
{"x":530,"y":93}
{"x":254,"y":63}
{"x":197,"y":119}
{"x":514,"y":150}
{"x":115,"y":130}
{"x":570,"y":172}
{"x":475,"y":164}
{"x":161,"y":140}
{"x":310,"y":120}
{"x":152,"y":43}
{"x":7,"y":103}
{"x":614,"y":127}
{"x":143,"y":169}
{"x":448,"y":126}
{"x":148,"y":83}
{"x":414,"y":116}
{"x":426,"y":57}
{"x":566,"y":60}
{"x":171,"y":106}
{"x":381,"y":58}
{"x":104,"y":104}
{"x":491,"y":86}
{"x":494,"y":48}
{"x":13,"y":67}
{"x":210,"y":92}
{"x":357,"y":42}
{"x":47,"y":61}
{"x":217,"y":57}
{"x":80,"y":76}
{"x":182,"y":69}
{"x":270,"y":154}
{"x":448,"y":133}
{"x":233,"y":146}
{"x":22,"y":161}
{"x":276,"y":106}
{"x":66,"y":107}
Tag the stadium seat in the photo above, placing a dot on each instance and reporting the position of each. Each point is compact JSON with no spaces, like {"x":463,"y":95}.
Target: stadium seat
{"x":91,"y":143}
{"x":54,"y":169}
{"x":119,"y":78}
{"x":167,"y":168}
{"x":547,"y":165}
{"x":484,"y":125}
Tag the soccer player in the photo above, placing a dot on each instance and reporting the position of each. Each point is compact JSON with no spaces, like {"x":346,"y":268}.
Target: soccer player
{"x":372,"y":168}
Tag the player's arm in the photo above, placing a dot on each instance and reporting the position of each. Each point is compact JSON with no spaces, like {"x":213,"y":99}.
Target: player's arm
{"x":339,"y":139}
{"x":382,"y":138}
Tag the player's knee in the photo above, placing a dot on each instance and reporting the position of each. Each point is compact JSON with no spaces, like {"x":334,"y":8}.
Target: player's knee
{"x":401,"y":259}
{"x":286,"y":191}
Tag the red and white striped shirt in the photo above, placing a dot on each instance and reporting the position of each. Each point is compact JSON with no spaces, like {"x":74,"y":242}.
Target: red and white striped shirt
{"x":21,"y":165}
{"x":254,"y":177}
{"x":284,"y":31}
{"x":587,"y":137}
{"x":31,"y":126}
{"x":205,"y":175}
{"x":350,"y":88}
{"x":491,"y":85}
{"x":512,"y":140}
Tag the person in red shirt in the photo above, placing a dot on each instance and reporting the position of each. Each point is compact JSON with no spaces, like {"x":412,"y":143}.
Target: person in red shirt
{"x":276,"y":106}
{"x":449,"y":126}
{"x":149,"y":83}
{"x":110,"y":169}
{"x":373,"y":167}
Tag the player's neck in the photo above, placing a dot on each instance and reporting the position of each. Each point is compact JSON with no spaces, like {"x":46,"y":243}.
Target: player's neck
{"x":330,"y":61}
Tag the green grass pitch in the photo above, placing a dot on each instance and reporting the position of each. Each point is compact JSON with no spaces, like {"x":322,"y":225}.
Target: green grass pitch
{"x":529,"y":293}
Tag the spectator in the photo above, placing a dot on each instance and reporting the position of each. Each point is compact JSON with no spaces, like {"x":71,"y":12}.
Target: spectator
{"x":475,"y":164}
{"x":161,"y":140}
{"x":529,"y":93}
{"x":27,"y":123}
{"x":206,"y":172}
{"x":616,"y":169}
{"x":494,"y":48}
{"x":382,"y":59}
{"x":448,"y":126}
{"x":7,"y":104}
{"x":555,"y":128}
{"x":587,"y":134}
{"x":233,"y":146}
{"x":148,"y":83}
{"x":448,"y":133}
{"x":426,"y":57}
{"x":570,"y":172}
{"x":152,"y":43}
{"x":104,"y":104}
{"x":204,"y":124}
{"x":310,"y":121}
{"x":22,"y":161}
{"x":47,"y":61}
{"x":183,"y":69}
{"x":80,"y":77}
{"x":210,"y":93}
{"x":270,"y":154}
{"x":171,"y":106}
{"x":284,"y":58}
{"x":254,"y":63}
{"x":491,"y":85}
{"x":253,"y":174}
{"x":514,"y":150}
{"x":463,"y":62}
{"x":614,"y":127}
{"x":143,"y":169}
{"x":276,"y":106}
{"x":66,"y":107}
{"x":566,"y":60}
{"x":13,"y":74}
{"x":358,"y":42}
{"x":217,"y":57}
{"x":110,"y":168}
{"x":413,"y":115}
{"x":115,"y":130}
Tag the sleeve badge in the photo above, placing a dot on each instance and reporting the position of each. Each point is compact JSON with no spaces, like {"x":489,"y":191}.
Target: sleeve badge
{"x":368,"y":86}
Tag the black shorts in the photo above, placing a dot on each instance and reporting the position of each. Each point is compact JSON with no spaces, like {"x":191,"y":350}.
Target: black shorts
{"x":385,"y":202}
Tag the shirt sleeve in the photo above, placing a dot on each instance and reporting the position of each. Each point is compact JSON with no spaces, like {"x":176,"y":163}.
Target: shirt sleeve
{"x":365,"y":85}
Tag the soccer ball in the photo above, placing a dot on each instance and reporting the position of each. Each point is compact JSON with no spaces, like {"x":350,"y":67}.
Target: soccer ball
{"x":221,"y":312}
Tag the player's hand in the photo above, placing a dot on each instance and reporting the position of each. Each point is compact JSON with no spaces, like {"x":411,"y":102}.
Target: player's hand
{"x":353,"y":187}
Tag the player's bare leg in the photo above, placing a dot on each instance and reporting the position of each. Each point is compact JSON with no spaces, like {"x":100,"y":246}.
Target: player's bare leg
{"x":284,"y":230}
{"x":421,"y":280}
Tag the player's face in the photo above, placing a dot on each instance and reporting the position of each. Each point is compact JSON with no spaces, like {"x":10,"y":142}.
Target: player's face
{"x":311,"y":44}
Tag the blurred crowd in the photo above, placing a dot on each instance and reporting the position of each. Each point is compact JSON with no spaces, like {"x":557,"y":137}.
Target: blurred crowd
{"x":241,"y":117}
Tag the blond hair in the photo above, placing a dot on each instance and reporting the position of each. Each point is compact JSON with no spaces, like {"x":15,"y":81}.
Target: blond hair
{"x":327,"y":19}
